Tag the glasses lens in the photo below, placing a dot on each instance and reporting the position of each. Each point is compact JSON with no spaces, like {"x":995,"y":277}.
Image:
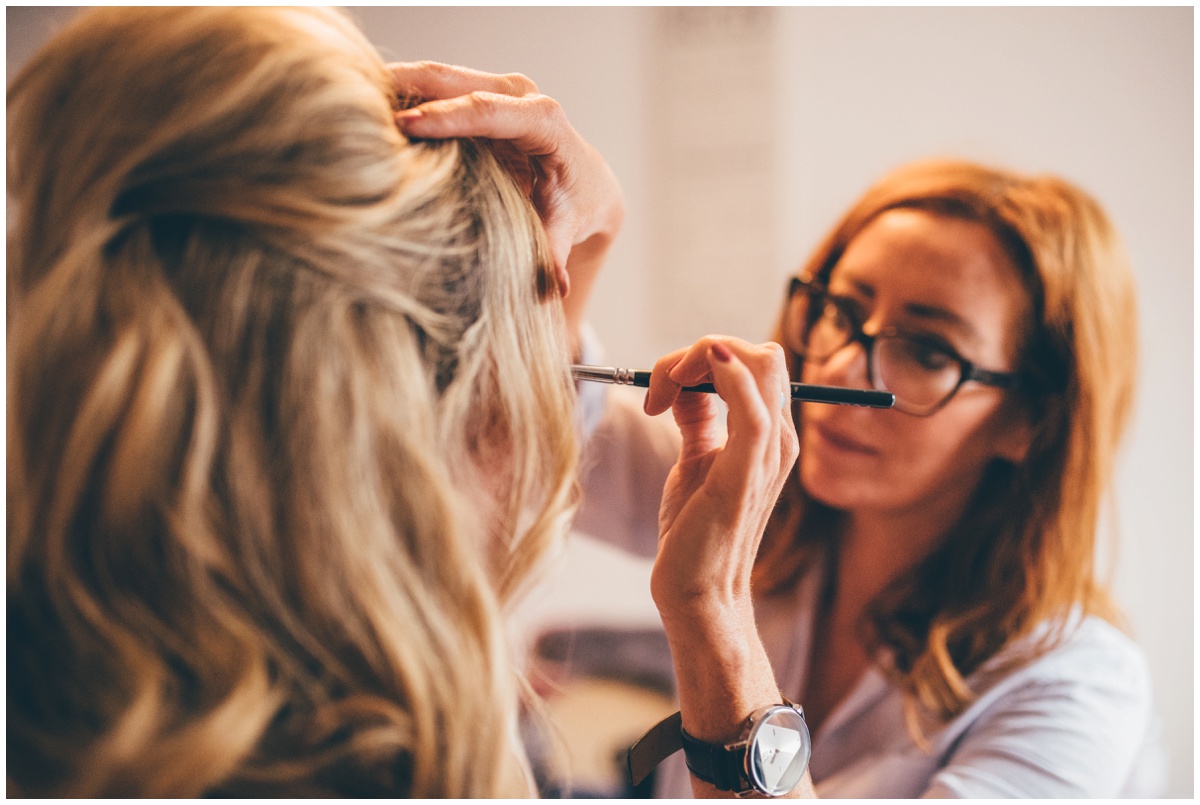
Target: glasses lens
{"x":921,"y":374}
{"x":818,"y":327}
{"x":831,"y":330}
{"x":796,"y":326}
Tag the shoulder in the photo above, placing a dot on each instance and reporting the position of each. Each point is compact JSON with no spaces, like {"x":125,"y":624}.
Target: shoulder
{"x":1074,"y":721}
{"x":1089,"y":653}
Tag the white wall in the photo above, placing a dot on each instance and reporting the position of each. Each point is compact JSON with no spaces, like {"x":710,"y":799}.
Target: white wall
{"x":1103,"y":96}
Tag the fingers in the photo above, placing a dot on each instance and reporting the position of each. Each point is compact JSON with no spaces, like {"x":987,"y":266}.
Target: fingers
{"x":751,"y":379}
{"x":693,"y":365}
{"x":766,"y":362}
{"x":721,"y":492}
{"x":749,"y":382}
{"x":533,"y":123}
{"x":570,"y":184}
{"x":461,"y":102}
{"x":695,"y":412}
{"x":663,"y":388}
{"x":433,"y":80}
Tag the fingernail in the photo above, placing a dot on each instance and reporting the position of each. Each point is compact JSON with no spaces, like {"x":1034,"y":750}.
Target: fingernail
{"x":646,"y":403}
{"x":721,"y":352}
{"x":409,"y":115}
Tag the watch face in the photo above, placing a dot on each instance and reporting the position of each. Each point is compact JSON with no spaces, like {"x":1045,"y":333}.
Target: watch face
{"x":779,"y":751}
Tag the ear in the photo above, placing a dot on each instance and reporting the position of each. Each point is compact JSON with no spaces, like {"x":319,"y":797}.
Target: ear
{"x":1015,"y":434}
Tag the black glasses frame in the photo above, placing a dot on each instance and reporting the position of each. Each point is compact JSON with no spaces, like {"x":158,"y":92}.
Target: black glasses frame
{"x":968,"y":371}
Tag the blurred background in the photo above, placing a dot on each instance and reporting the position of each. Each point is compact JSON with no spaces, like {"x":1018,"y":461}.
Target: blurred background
{"x":740,"y":134}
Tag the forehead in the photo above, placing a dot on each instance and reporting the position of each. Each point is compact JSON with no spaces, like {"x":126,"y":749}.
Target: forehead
{"x":918,"y":265}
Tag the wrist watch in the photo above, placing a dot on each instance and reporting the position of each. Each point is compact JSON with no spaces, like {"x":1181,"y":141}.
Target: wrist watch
{"x":769,"y":759}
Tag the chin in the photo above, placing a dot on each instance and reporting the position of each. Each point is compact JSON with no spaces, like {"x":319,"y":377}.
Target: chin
{"x":844,"y":496}
{"x":831,"y":498}
{"x":827,"y":486}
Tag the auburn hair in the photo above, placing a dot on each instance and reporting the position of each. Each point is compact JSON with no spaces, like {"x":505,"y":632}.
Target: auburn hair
{"x":289,"y":420}
{"x":1023,"y":554}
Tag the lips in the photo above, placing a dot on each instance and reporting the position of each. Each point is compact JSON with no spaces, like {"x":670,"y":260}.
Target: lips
{"x":840,"y":440}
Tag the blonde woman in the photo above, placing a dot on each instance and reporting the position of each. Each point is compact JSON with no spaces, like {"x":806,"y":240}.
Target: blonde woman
{"x":289,"y":412}
{"x":925,"y":588}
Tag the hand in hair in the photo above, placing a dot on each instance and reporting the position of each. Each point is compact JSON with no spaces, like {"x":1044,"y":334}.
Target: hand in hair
{"x":572,"y":187}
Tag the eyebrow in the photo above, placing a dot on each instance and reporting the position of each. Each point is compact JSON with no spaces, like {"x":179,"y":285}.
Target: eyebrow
{"x":926,"y":312}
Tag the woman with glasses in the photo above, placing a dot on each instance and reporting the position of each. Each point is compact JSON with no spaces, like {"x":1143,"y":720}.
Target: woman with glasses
{"x":925,"y":587}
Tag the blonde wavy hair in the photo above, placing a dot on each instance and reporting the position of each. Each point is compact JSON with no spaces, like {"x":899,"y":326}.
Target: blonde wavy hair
{"x":1023,"y":555}
{"x":289,"y":420}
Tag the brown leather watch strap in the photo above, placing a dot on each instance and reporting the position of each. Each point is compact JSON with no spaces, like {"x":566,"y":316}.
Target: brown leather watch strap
{"x":714,"y":763}
{"x":662,"y":740}
{"x":719,"y":765}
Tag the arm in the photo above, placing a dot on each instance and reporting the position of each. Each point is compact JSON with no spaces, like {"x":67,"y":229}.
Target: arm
{"x":626,"y":458}
{"x":720,"y":492}
{"x":572,"y":187}
{"x":579,"y":200}
{"x":715,"y":505}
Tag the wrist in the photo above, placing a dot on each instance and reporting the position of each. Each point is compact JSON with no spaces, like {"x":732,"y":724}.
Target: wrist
{"x":769,"y":758}
{"x":702,"y":612}
{"x":723,"y":675}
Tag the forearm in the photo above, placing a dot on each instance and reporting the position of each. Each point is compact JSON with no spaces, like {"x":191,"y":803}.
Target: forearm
{"x":724,"y":676}
{"x":717,"y":496}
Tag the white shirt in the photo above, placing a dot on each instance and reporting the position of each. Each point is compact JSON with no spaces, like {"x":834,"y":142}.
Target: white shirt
{"x":1076,"y":722}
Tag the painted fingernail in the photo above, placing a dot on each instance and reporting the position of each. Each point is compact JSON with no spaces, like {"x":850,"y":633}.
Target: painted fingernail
{"x":721,"y":352}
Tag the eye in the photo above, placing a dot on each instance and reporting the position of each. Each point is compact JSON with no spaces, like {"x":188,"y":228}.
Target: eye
{"x":926,"y":354}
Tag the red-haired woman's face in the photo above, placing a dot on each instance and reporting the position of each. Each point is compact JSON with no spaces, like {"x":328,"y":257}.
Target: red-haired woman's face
{"x":949,"y":278}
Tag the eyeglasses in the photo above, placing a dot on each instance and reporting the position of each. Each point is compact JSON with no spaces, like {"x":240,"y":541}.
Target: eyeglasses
{"x":921,"y":370}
